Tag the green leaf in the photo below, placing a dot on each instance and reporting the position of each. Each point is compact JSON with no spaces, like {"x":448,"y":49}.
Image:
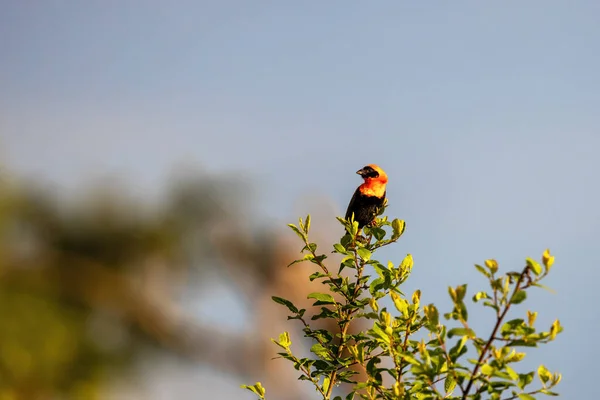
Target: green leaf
{"x":377,"y":332}
{"x":378,"y":233}
{"x":398,"y":389}
{"x":347,"y":262}
{"x":487,"y":369}
{"x":297,"y":231}
{"x":312,"y":247}
{"x":339,"y":248}
{"x":544,"y":374}
{"x":406,"y":265}
{"x":548,"y":392}
{"x":492,"y":265}
{"x":491,"y":305}
{"x":416,"y":298}
{"x":452,"y":293}
{"x":307,"y":257}
{"x":525,"y":379}
{"x":284,"y":341}
{"x":500,"y":385}
{"x":460,"y":332}
{"x":512,"y":326}
{"x":480,"y":295}
{"x":555,"y":329}
{"x":482,"y":270}
{"x":360,"y":352}
{"x":512,"y":373}
{"x":522,"y":343}
{"x":325,"y":313}
{"x":365,"y":254}
{"x":518,"y":297}
{"x":373,"y":304}
{"x":514,"y":357}
{"x":286,"y":303}
{"x":449,"y":384}
{"x":461,"y":290}
{"x":525,"y":396}
{"x":316,"y":275}
{"x":398,"y":226}
{"x":506,"y":286}
{"x":307,"y":224}
{"x":433,"y":316}
{"x":458,"y":349}
{"x":410,"y":359}
{"x":373,"y":371}
{"x":346,"y":240}
{"x":534,"y":265}
{"x":321,"y":351}
{"x":382,"y":271}
{"x":323,"y":298}
{"x":556,"y":378}
{"x":547,"y":259}
{"x":462,"y":309}
{"x":321,"y":335}
{"x":326,"y":383}
{"x":536,"y":284}
{"x":257,"y":389}
{"x":354,"y":228}
{"x":375,"y":286}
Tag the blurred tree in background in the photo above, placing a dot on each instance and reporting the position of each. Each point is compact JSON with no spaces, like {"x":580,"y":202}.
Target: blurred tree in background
{"x":90,"y":284}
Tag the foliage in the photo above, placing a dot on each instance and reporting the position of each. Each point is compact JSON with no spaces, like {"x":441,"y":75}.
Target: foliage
{"x":409,"y":352}
{"x":87,"y":283}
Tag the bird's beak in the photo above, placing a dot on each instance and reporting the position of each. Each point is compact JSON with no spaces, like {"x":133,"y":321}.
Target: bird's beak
{"x":361,"y":172}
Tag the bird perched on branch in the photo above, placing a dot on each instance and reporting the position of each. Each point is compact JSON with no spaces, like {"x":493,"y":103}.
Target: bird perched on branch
{"x":368,"y":197}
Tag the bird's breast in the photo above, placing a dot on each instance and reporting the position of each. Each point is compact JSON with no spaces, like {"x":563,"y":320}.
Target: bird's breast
{"x":373,"y":189}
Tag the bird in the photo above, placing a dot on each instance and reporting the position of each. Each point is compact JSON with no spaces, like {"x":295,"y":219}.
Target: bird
{"x":368,"y":197}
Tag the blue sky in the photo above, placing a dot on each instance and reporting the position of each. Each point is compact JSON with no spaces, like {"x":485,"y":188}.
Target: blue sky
{"x":484,"y":114}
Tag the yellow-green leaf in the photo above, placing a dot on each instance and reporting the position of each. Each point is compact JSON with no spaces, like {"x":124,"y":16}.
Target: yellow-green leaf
{"x":547,"y":259}
{"x":531,"y":317}
{"x":487,"y":369}
{"x":544,"y":374}
{"x":400,"y":303}
{"x":365,"y":254}
{"x":525,"y":396}
{"x":324,"y":298}
{"x":449,"y":384}
{"x":398,"y":226}
{"x":534,"y":265}
{"x":406,"y":264}
{"x":518,"y":297}
{"x":492,"y":265}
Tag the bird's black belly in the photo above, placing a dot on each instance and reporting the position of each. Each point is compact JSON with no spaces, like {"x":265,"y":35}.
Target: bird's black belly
{"x":365,"y":209}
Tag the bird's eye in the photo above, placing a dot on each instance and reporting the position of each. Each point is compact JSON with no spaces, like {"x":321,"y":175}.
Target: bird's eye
{"x":371,"y":173}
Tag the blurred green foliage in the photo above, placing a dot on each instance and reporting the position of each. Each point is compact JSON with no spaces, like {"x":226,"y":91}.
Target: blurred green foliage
{"x":86,"y":282}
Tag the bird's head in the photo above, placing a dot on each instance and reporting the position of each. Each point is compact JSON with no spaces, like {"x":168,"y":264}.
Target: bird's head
{"x":373,"y":173}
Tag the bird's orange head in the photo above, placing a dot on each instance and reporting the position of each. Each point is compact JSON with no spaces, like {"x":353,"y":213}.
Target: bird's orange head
{"x":375,"y":180}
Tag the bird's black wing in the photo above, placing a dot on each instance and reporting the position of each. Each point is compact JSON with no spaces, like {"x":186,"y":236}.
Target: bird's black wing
{"x":351,"y":205}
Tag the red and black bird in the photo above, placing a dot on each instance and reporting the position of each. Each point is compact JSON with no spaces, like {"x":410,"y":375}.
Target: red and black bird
{"x":368,"y":197}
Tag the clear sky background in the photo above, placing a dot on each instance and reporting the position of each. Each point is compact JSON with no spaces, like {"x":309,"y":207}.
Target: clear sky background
{"x":485,"y":115}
